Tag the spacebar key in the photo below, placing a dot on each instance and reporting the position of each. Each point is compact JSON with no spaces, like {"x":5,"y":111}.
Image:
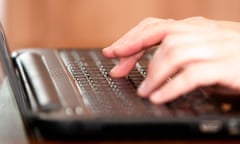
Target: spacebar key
{"x":41,"y":82}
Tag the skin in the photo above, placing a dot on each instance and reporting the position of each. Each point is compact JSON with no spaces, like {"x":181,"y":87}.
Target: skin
{"x":190,"y":53}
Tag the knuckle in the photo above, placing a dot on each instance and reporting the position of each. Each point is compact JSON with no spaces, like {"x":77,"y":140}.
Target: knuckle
{"x":170,"y":20}
{"x":149,"y":23}
{"x":196,"y":18}
{"x":148,"y":19}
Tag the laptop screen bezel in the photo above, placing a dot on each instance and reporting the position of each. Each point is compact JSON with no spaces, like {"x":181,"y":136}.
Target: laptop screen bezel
{"x":14,"y":84}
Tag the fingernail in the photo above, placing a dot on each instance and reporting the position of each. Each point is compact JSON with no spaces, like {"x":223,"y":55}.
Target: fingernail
{"x":114,"y":69}
{"x":106,"y":49}
{"x":110,"y":51}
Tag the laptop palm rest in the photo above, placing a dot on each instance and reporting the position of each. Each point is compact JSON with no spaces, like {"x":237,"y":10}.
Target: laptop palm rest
{"x":40,"y":81}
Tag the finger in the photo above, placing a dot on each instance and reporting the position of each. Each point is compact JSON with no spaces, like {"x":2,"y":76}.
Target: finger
{"x":151,"y":31}
{"x":144,"y":35}
{"x":196,"y":75}
{"x":125,"y":65}
{"x":172,"y":57}
{"x":110,"y":50}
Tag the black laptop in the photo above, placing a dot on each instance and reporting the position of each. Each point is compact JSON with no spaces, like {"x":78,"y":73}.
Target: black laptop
{"x":68,"y":94}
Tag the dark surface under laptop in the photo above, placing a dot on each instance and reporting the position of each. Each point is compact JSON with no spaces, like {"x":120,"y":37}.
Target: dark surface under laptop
{"x":68,"y":94}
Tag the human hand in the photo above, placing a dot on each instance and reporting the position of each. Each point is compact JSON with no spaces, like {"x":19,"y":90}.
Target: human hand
{"x":194,"y":52}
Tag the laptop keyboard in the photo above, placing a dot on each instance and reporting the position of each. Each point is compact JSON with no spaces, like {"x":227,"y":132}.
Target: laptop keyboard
{"x":104,"y":95}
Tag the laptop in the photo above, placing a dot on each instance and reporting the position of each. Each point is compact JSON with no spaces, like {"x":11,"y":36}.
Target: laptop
{"x":67,"y":94}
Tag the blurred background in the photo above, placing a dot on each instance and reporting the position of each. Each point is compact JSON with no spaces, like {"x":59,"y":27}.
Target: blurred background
{"x":95,"y":23}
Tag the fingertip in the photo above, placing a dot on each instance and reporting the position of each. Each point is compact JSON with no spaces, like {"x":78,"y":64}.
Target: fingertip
{"x":108,"y":52}
{"x":159,"y":98}
{"x":143,"y":89}
{"x":118,"y":71}
{"x":115,"y":72}
{"x":156,"y":99}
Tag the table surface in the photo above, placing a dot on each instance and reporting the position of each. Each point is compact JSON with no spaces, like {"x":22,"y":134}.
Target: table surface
{"x":12,"y":129}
